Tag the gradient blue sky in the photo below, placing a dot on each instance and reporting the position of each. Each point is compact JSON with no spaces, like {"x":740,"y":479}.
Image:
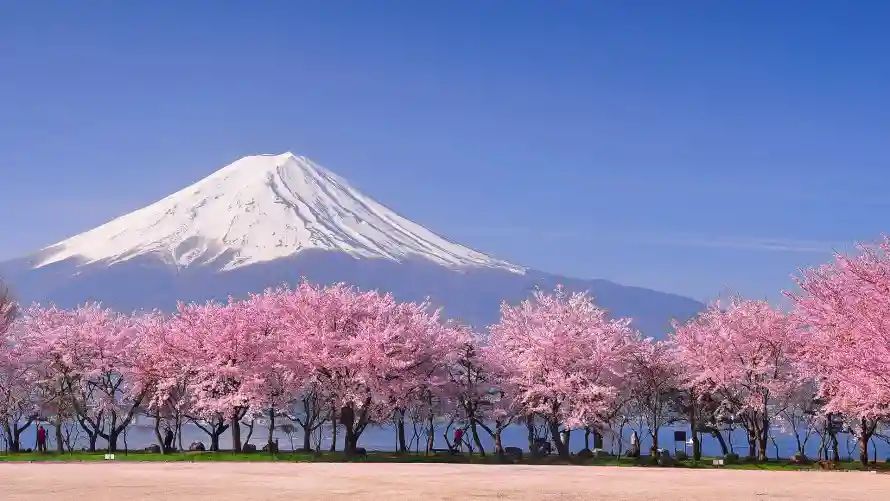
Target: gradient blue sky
{"x":687,"y":146}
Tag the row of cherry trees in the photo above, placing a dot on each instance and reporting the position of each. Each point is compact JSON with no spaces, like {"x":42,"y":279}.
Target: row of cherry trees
{"x":314,"y":355}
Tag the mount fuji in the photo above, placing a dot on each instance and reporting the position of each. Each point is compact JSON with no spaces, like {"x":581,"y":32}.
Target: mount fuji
{"x":268,"y":219}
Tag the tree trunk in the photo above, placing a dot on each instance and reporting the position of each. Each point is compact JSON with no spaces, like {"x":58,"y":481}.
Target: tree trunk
{"x":215,"y":429}
{"x":620,"y":439}
{"x":431,"y":435}
{"x":334,"y":427}
{"x":863,"y":451}
{"x":696,"y":444}
{"x":475,"y":431}
{"x":597,"y":439}
{"x":400,"y":431}
{"x":763,"y":439}
{"x":653,"y":450}
{"x":836,"y":455}
{"x":587,"y":438}
{"x":179,"y":431}
{"x":719,"y":436}
{"x":236,"y":433}
{"x":158,"y":434}
{"x":14,"y":434}
{"x":112,"y":439}
{"x":530,"y":427}
{"x":498,"y":444}
{"x":60,"y":443}
{"x":561,"y":447}
{"x":350,"y":441}
{"x":307,"y":439}
{"x":865,"y":433}
{"x":12,"y":438}
{"x":93,"y":437}
{"x":249,"y":431}
{"x":272,"y":451}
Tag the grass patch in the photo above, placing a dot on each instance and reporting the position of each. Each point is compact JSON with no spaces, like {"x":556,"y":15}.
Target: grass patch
{"x":391,"y":457}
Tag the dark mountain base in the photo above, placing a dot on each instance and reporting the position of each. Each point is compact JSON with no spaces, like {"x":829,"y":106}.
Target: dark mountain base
{"x":472,"y":296}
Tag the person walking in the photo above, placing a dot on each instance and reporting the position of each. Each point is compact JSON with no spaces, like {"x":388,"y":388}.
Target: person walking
{"x":41,"y":439}
{"x":459,"y":440}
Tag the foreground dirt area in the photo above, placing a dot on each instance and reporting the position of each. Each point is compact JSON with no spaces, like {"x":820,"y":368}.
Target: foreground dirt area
{"x":428,"y":482}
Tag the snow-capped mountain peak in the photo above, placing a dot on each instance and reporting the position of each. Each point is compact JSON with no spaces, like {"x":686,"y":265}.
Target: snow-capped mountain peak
{"x":262,"y":208}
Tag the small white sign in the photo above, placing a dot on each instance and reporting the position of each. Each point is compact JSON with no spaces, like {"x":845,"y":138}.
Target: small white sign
{"x":109,"y":457}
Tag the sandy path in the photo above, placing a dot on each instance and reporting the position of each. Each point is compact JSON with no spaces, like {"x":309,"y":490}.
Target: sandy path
{"x":428,"y":482}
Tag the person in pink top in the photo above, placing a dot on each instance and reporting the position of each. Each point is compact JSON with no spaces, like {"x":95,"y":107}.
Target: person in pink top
{"x":459,"y":439}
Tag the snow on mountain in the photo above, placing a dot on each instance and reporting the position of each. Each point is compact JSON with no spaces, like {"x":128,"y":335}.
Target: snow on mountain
{"x":271,"y":219}
{"x":260,"y":209}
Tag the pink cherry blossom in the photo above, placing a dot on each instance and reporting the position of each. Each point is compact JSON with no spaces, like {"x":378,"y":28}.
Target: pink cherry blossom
{"x":843,"y":310}
{"x":743,"y":354}
{"x":563,"y":357}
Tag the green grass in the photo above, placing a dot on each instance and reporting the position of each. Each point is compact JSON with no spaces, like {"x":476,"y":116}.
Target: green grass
{"x":390,"y":457}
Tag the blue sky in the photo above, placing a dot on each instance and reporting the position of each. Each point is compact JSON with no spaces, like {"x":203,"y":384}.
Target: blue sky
{"x":688,"y":146}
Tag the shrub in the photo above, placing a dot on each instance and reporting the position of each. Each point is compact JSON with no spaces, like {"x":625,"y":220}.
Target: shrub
{"x":665,"y":459}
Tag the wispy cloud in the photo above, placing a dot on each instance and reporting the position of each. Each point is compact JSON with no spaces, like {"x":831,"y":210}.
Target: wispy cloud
{"x":764,"y":244}
{"x":782,"y":192}
{"x":752,"y":243}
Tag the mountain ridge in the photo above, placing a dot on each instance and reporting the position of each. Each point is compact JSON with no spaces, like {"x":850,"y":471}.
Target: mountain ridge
{"x":261,"y":208}
{"x":206,"y":242}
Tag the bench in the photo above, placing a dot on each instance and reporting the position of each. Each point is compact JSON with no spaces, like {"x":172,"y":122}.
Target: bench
{"x":448,"y":451}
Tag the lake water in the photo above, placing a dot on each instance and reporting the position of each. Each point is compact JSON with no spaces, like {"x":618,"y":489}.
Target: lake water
{"x":383,"y":438}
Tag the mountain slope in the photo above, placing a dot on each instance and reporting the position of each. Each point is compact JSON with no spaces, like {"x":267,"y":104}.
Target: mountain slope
{"x":259,"y":209}
{"x":265,"y":220}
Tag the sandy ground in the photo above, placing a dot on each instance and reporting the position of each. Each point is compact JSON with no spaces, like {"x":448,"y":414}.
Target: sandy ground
{"x":429,"y":482}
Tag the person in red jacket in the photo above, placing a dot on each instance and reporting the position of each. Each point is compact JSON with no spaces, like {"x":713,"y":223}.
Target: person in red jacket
{"x":459,"y":439}
{"x":41,"y":439}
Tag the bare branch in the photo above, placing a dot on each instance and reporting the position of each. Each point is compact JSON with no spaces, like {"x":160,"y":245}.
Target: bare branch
{"x":8,"y":307}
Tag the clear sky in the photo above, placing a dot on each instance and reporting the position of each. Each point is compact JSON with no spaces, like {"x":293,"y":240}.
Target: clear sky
{"x":687,"y":146}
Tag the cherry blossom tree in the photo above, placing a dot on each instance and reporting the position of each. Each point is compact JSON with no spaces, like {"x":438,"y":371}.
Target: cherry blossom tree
{"x":800,"y":414}
{"x":843,"y":308}
{"x":8,"y":308}
{"x":473,"y":388}
{"x":17,"y":406}
{"x":654,"y":380}
{"x":222,"y":348}
{"x":44,"y":330}
{"x":304,"y":398}
{"x":19,"y":399}
{"x":367,"y":349}
{"x":166,"y":377}
{"x":744,"y":354}
{"x":91,"y":359}
{"x":282,"y":378}
{"x":564,"y":358}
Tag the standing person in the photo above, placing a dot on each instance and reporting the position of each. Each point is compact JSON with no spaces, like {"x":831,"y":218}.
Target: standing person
{"x":168,"y":440}
{"x":41,"y":439}
{"x":634,"y":445}
{"x":459,"y":439}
